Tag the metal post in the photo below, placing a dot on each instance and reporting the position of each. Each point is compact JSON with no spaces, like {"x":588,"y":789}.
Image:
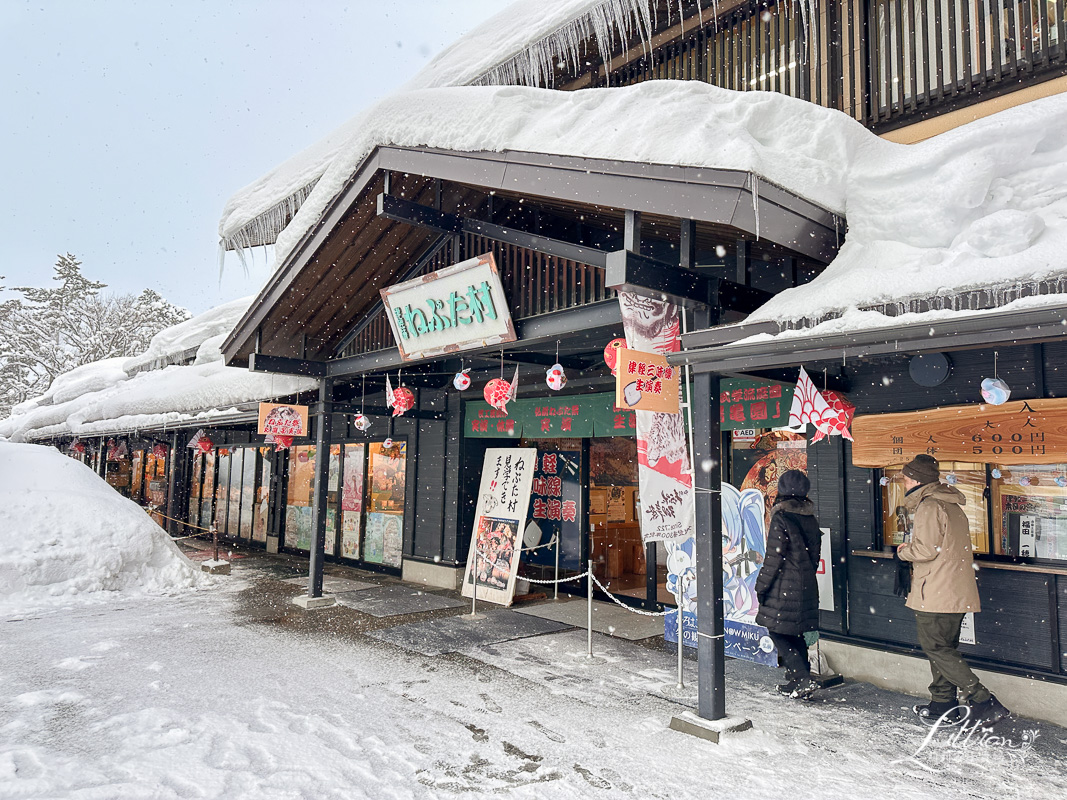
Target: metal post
{"x":589,"y":612}
{"x":323,"y":435}
{"x":215,"y":539}
{"x":555,"y":590}
{"x":681,"y":634}
{"x":474,"y":595}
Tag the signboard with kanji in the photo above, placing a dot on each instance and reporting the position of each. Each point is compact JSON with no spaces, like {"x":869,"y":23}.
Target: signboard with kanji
{"x":555,"y":509}
{"x":453,"y":309}
{"x":753,"y":404}
{"x":645,"y":382}
{"x":280,"y":419}
{"x":1023,"y":432}
{"x":499,"y":523}
{"x":569,"y":417}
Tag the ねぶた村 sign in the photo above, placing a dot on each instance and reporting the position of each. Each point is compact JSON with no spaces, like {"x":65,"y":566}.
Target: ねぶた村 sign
{"x":278,"y":419}
{"x":456,"y":308}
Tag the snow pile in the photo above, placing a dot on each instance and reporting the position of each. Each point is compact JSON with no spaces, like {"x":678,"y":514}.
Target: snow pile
{"x":216,"y":322}
{"x":66,"y":534}
{"x":798,"y":145}
{"x":984,"y":205}
{"x":90,"y":377}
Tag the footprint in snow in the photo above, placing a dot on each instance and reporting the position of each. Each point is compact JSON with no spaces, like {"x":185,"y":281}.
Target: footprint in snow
{"x":490,"y":703}
{"x":479,"y":734}
{"x":590,"y":778}
{"x":551,"y":734}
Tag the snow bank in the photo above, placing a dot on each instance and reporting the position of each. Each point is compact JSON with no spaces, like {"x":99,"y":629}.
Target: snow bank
{"x":794,"y":144}
{"x":66,"y":535}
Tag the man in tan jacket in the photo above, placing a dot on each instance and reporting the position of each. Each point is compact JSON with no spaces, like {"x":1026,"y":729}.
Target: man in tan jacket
{"x":943,"y":589}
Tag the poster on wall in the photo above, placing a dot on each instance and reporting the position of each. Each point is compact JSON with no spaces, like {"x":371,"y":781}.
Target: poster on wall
{"x":384,"y":538}
{"x":499,"y":523}
{"x":744,"y":546}
{"x":663,"y":471}
{"x":555,"y":510}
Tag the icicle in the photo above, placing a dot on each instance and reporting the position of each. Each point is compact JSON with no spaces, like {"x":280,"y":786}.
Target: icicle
{"x":265,"y":228}
{"x":755,"y":200}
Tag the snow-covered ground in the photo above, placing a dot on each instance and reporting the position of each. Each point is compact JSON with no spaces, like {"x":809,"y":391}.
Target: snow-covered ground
{"x":126,"y":673}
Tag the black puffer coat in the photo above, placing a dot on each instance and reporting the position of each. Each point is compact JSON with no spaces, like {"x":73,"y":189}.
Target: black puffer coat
{"x":786,"y":587}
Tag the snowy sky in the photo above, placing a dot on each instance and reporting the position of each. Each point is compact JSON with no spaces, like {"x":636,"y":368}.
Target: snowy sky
{"x":128,"y":125}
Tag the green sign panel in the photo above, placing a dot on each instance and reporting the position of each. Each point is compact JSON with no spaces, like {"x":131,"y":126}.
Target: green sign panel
{"x":753,"y":404}
{"x":550,"y":418}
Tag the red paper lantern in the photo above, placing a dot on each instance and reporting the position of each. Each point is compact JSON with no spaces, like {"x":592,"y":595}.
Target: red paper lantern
{"x":497,"y":393}
{"x":611,"y":353}
{"x":283,"y":442}
{"x":78,"y":446}
{"x":204,"y":444}
{"x":403,"y":400}
{"x":159,"y":450}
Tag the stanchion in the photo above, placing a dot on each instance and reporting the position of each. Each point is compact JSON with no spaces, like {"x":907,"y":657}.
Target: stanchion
{"x":681,"y":644}
{"x":589,"y":612}
{"x":474,"y":615}
{"x":555,"y":591}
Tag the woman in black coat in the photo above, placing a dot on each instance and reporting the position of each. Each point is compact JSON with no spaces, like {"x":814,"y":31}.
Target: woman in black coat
{"x":787,"y":589}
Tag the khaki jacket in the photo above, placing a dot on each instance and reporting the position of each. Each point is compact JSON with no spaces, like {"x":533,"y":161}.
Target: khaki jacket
{"x":943,"y":578}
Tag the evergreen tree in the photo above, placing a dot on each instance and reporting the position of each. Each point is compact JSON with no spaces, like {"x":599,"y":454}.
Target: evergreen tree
{"x":51,"y":330}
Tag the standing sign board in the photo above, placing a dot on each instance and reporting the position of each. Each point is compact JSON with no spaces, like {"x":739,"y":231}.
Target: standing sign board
{"x":499,"y":523}
{"x":646,"y":382}
{"x":279,"y":419}
{"x":456,"y":308}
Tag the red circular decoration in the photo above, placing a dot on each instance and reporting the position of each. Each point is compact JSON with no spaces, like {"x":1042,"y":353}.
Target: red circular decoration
{"x":403,"y":400}
{"x":611,"y":353}
{"x":497,"y":393}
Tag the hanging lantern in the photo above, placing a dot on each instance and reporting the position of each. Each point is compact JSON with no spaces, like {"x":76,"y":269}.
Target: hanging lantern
{"x":611,"y":353}
{"x":996,"y":473}
{"x":403,"y":400}
{"x":839,"y":420}
{"x":1061,"y":480}
{"x":883,"y":481}
{"x":951,"y":479}
{"x":159,"y":450}
{"x":360,"y":422}
{"x":1024,"y":480}
{"x":995,"y":391}
{"x":388,"y":443}
{"x":498,"y":392}
{"x":462,"y":381}
{"x":281,"y":442}
{"x":555,"y":378}
{"x":77,"y":446}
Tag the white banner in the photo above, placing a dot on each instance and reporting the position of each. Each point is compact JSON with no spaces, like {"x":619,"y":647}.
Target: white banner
{"x":499,"y":523}
{"x":663,"y":472}
{"x":824,"y":575}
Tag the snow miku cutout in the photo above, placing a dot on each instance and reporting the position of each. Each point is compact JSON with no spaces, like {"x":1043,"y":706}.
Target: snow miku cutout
{"x":744,"y":545}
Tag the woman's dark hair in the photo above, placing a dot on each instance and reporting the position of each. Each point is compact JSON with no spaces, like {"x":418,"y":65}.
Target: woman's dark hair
{"x":793,"y":483}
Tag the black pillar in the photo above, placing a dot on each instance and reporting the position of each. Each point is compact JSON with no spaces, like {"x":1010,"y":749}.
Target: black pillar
{"x":323,"y":435}
{"x":707,"y":473}
{"x":177,"y":484}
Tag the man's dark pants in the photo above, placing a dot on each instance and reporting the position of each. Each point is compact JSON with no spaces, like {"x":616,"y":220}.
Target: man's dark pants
{"x":939,"y":637}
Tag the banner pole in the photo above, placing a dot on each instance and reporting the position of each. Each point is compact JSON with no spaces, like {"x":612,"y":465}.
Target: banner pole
{"x":474,"y":594}
{"x":681,"y":635}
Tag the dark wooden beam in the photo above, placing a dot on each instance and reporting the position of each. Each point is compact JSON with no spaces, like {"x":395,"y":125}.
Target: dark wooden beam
{"x":649,"y":277}
{"x":258,"y":362}
{"x":399,"y":210}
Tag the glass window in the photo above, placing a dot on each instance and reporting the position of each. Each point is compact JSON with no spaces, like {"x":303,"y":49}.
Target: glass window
{"x":138,"y":474}
{"x":333,"y":488}
{"x":222,"y":490}
{"x":352,"y":499}
{"x":968,"y":477}
{"x":248,"y":490}
{"x":1030,"y":511}
{"x":383,"y":540}
{"x":298,"y":510}
{"x":194,"y":488}
{"x":207,"y":493}
{"x":262,"y":496}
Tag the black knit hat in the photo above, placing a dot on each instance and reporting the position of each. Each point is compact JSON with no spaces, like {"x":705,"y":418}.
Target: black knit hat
{"x":793,"y":483}
{"x":923,"y":468}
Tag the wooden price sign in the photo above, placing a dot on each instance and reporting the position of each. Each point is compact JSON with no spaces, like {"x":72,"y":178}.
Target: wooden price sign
{"x":282,"y":419}
{"x":1023,"y":432}
{"x":645,"y":382}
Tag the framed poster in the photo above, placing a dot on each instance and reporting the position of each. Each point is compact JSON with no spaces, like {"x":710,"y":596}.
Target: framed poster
{"x":499,"y":523}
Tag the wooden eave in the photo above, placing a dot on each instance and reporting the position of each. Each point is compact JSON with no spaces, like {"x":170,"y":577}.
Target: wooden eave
{"x":337,"y":268}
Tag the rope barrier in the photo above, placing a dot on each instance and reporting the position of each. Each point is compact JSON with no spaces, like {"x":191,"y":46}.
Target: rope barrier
{"x":619,"y":602}
{"x":153,"y":510}
{"x":561,"y":580}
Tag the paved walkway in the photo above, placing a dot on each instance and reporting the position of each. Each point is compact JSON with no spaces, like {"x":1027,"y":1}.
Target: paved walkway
{"x":546,"y":644}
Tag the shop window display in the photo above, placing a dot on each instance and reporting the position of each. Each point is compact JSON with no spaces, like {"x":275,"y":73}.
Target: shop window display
{"x":222,"y":492}
{"x":262,"y":497}
{"x":194,"y":486}
{"x":248,"y":493}
{"x":969,"y":478}
{"x":1029,"y":507}
{"x":387,"y":475}
{"x":352,"y":499}
{"x":207,"y":491}
{"x":299,"y":497}
{"x":615,"y":545}
{"x":137,"y":461}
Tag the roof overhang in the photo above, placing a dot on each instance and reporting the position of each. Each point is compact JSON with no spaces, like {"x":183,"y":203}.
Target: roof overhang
{"x":724,"y":197}
{"x":711,"y":350}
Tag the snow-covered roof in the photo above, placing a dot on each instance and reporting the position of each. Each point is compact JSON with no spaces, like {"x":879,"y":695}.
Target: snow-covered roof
{"x":797,"y":145}
{"x":189,"y":335}
{"x":102,"y":398}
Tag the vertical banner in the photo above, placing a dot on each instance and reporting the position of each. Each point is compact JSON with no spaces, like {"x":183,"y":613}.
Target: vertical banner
{"x":663,"y":472}
{"x":555,"y":510}
{"x":824,"y":576}
{"x":499,"y":523}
